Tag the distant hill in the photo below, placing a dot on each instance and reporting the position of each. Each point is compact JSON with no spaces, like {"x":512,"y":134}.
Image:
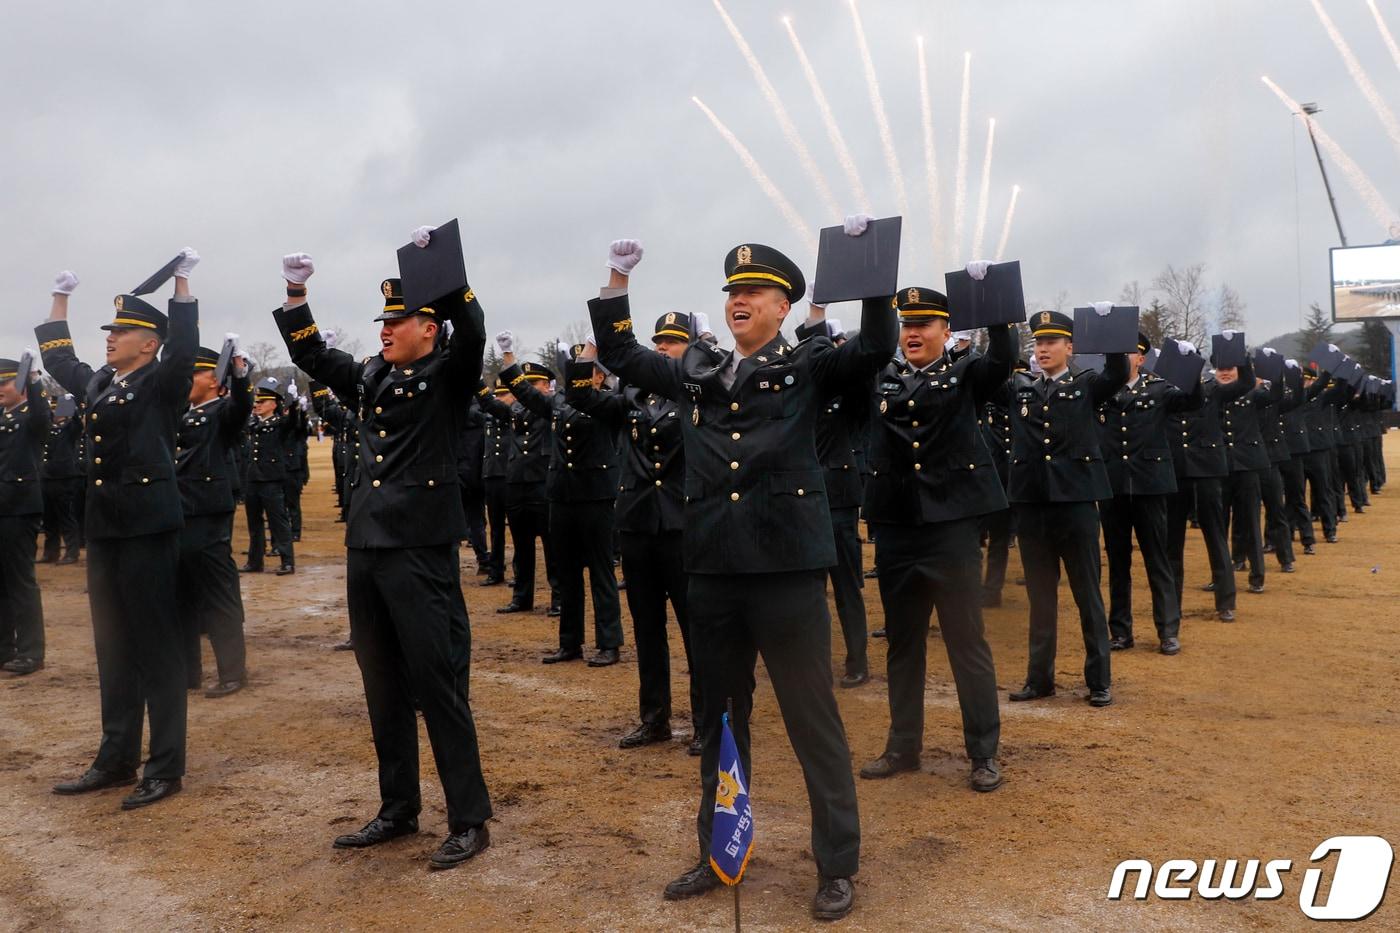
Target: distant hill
{"x":1348,"y":341}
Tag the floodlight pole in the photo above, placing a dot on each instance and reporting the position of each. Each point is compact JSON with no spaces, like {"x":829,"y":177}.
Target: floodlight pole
{"x":1309,"y":110}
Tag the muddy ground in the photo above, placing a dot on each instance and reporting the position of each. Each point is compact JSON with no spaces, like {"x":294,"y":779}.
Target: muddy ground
{"x":1261,"y":739}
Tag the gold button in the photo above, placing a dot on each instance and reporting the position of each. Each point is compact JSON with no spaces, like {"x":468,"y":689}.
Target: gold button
{"x":145,"y":479}
{"x":432,"y":482}
{"x":571,"y":466}
{"x":1047,"y":456}
{"x":97,"y":439}
{"x":658,"y":482}
{"x":914,"y":424}
{"x":569,"y":451}
{"x":733,"y":497}
{"x":802,"y":492}
{"x":379,"y":409}
{"x":911,"y":403}
{"x":918,"y":466}
{"x":734,"y":406}
{"x":656,"y":465}
{"x":734,"y":436}
{"x":734,"y":464}
{"x":97,"y":482}
{"x":383,"y":433}
{"x":916,"y":445}
{"x":1047,"y":440}
{"x":379,"y":458}
{"x":972,"y":466}
{"x":97,"y":460}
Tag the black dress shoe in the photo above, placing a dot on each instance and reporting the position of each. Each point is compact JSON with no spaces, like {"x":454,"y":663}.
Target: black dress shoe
{"x":23,"y":666}
{"x":699,"y":880}
{"x":1268,"y":549}
{"x":985,"y":776}
{"x":553,"y":612}
{"x":1239,"y":566}
{"x":1120,"y":642}
{"x":250,"y":568}
{"x":94,"y":779}
{"x":871,"y":574}
{"x":46,"y":559}
{"x":1030,"y":692}
{"x":833,"y":899}
{"x":606,"y":657}
{"x":889,"y":764}
{"x":1288,"y":568}
{"x":878,"y":633}
{"x":1170,"y":646}
{"x":648,"y":733}
{"x":149,"y":791}
{"x":1342,"y":519}
{"x":1309,"y":550}
{"x":855,"y":680}
{"x":1331,"y":539}
{"x":346,"y":645}
{"x":223,"y":688}
{"x":563,"y":654}
{"x":493,"y":579}
{"x":1100,"y":698}
{"x":513,"y":606}
{"x":1209,"y":587}
{"x":1256,"y":587}
{"x":286,"y":569}
{"x":376,"y":831}
{"x":67,"y":559}
{"x":696,"y":748}
{"x":1227,"y":615}
{"x":458,"y":847}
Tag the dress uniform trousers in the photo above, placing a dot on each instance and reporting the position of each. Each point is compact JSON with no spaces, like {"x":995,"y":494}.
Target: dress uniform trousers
{"x":923,"y":568}
{"x":654,"y":566}
{"x":291,"y":499}
{"x":265,"y":500}
{"x":736,"y":617}
{"x":1375,"y":463}
{"x":1146,"y":517}
{"x":1295,"y":501}
{"x":997,"y":526}
{"x":529,"y":519}
{"x":1317,"y":470}
{"x":132,"y":587}
{"x":1203,"y":494}
{"x":21,"y":607}
{"x":1349,"y":457}
{"x":210,"y":600}
{"x":474,"y":504}
{"x":1277,"y":533}
{"x":495,"y":487}
{"x":61,"y":518}
{"x":1048,"y":534}
{"x":582,"y":533}
{"x":412,"y":639}
{"x":1339,"y":490}
{"x":847,"y":578}
{"x":1242,"y":498}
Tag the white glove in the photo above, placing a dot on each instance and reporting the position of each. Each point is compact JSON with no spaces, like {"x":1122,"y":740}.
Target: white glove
{"x":34,"y":371}
{"x":303,"y":403}
{"x":1292,"y":364}
{"x":1186,"y":346}
{"x":623,"y":255}
{"x":292,"y":390}
{"x":833,"y":328}
{"x":423,"y":236}
{"x":1228,"y":334}
{"x":1101,"y":308}
{"x":297,"y":268}
{"x":978,"y":269}
{"x":700,"y":322}
{"x":64,"y":283}
{"x":1333,"y":347}
{"x":1268,"y":351}
{"x":505,"y":342}
{"x":958,"y":336}
{"x":855,"y":224}
{"x":188,"y":260}
{"x":330,"y":337}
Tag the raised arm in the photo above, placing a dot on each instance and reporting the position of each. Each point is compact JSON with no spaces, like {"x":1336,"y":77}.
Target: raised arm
{"x":611,"y":314}
{"x":1180,"y":401}
{"x":866,"y":354}
{"x":1106,"y":384}
{"x":608,"y":407}
{"x":240,"y":404}
{"x":991,"y":370}
{"x":337,"y":369}
{"x":56,"y":342}
{"x":36,"y":420}
{"x":176,"y":370}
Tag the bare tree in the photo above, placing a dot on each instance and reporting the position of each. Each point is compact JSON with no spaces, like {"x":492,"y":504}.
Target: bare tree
{"x":1152,"y":321}
{"x":265,"y":355}
{"x":1130,"y":295}
{"x":1184,"y":294}
{"x":1229,"y":309}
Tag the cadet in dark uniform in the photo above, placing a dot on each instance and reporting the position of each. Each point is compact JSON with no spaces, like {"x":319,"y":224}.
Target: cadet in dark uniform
{"x":295,"y":458}
{"x":1278,"y":535}
{"x":408,"y":620}
{"x":471,"y":438}
{"x":1248,"y":458}
{"x":758,"y":532}
{"x":651,"y":523}
{"x":1201,"y":467}
{"x":133,"y":409}
{"x":495,"y":458}
{"x":1057,"y":477}
{"x":527,"y":506}
{"x":1292,"y":471}
{"x":63,"y":479}
{"x":1320,"y":416}
{"x":24,"y":426}
{"x":997,"y":527}
{"x":932,"y":481}
{"x":841,"y":421}
{"x":582,"y":489}
{"x":210,"y":599}
{"x":264,"y":497}
{"x":1137,"y":452}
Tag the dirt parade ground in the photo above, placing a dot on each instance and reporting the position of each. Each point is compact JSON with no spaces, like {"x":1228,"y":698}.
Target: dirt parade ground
{"x":1260,"y":740}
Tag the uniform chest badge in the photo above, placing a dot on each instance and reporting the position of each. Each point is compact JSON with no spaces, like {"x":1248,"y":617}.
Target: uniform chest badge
{"x":634,"y":434}
{"x":1025,"y":411}
{"x":884,"y":406}
{"x":695,"y":416}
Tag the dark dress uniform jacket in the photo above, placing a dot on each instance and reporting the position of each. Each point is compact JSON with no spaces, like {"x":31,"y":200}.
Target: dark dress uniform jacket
{"x":23,"y":431}
{"x":1133,"y":435}
{"x":204,"y":462}
{"x":495,"y":453}
{"x":583,"y":455}
{"x":403,"y":489}
{"x":270,"y":438}
{"x":1240,"y":419}
{"x":1055,"y":454}
{"x":841,"y":431}
{"x":929,"y":460}
{"x":755,"y":496}
{"x":1200,"y":454}
{"x":650,"y":498}
{"x":1322,"y":414}
{"x":528,"y":463}
{"x":61,"y":450}
{"x":130,"y":427}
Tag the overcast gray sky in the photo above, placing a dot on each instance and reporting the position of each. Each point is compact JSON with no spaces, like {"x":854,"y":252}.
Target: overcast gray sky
{"x":1139,"y":131}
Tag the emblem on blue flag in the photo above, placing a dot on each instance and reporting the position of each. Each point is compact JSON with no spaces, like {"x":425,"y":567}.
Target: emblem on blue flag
{"x":731,"y":837}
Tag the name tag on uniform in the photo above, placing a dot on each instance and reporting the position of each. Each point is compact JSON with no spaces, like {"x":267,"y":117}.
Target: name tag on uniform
{"x":692,"y":387}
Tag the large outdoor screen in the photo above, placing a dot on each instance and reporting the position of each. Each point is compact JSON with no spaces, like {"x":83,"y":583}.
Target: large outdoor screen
{"x":1365,"y":282}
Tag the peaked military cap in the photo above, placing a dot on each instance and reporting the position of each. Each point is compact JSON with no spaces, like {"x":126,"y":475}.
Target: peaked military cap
{"x":1143,"y":344}
{"x":9,"y":369}
{"x":1052,"y":324}
{"x":205,"y":358}
{"x":392,"y":289}
{"x":920,"y":304}
{"x":500,"y":388}
{"x":755,"y":264}
{"x":134,"y":313}
{"x":269,"y":388}
{"x":672,"y":324}
{"x":537,"y":371}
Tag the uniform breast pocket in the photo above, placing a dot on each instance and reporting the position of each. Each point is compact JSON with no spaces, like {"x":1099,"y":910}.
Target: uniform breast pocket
{"x":799,"y":483}
{"x":430,"y":476}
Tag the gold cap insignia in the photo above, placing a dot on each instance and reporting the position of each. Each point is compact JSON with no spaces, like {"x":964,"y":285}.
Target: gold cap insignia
{"x":118,"y":302}
{"x":744,"y":256}
{"x":1045,"y":317}
{"x":913,"y":296}
{"x":387,"y":288}
{"x":671,"y":318}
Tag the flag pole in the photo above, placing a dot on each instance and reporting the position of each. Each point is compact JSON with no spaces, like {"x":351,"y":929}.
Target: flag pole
{"x":729,"y":708}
